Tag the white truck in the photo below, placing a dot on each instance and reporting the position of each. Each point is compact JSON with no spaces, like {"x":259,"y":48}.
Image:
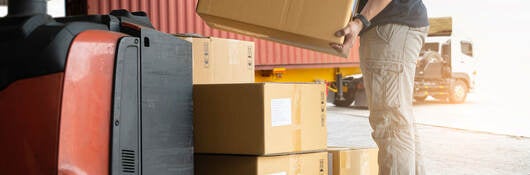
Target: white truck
{"x":445,"y":70}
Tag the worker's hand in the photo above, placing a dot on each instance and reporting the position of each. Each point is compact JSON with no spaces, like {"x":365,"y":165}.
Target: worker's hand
{"x":349,"y":32}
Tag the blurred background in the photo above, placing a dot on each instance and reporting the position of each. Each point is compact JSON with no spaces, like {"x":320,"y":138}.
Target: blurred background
{"x":501,"y":38}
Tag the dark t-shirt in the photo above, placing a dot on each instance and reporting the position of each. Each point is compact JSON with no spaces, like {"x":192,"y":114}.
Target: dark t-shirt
{"x":407,"y":12}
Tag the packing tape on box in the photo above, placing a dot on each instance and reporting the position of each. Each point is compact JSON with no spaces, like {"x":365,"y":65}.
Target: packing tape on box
{"x":297,"y":139}
{"x":297,"y":131}
{"x":297,"y":99}
{"x":295,"y":165}
{"x":345,"y":162}
{"x":233,"y":52}
{"x":365,"y":162}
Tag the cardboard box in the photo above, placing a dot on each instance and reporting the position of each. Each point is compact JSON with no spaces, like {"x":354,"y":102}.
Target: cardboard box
{"x":442,"y":26}
{"x":296,"y":164}
{"x":309,"y":24}
{"x":353,"y":161}
{"x":259,"y":118}
{"x":218,"y":60}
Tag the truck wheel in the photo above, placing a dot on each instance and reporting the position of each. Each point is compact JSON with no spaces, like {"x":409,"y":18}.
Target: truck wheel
{"x":347,"y":101}
{"x":458,"y":92}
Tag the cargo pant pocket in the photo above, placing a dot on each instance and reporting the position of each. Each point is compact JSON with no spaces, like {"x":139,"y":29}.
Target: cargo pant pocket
{"x":386,"y":32}
{"x":383,"y":81}
{"x":385,"y":42}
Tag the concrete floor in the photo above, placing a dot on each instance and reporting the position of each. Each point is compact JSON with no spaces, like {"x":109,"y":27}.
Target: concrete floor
{"x":448,"y":150}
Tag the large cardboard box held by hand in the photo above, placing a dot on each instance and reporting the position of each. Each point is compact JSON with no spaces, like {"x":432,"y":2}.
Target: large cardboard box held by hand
{"x":218,"y":60}
{"x":296,"y":164}
{"x":353,"y":161}
{"x":259,"y":118}
{"x":309,"y":24}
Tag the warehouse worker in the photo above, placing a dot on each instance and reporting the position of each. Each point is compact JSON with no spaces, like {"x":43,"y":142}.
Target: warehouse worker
{"x":392,"y":33}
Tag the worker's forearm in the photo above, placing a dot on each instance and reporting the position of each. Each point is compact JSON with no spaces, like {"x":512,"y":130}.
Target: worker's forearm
{"x":373,"y":7}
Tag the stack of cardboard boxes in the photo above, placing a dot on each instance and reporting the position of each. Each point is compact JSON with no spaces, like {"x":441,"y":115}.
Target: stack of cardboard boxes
{"x":260,"y":128}
{"x":247,"y":128}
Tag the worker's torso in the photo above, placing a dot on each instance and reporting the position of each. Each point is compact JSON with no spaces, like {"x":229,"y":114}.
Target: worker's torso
{"x":407,"y":12}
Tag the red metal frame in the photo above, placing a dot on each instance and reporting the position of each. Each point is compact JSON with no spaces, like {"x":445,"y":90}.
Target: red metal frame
{"x":86,"y":104}
{"x":30,"y":111}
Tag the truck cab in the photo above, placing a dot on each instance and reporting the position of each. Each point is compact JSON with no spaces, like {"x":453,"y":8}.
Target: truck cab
{"x":446,"y":69}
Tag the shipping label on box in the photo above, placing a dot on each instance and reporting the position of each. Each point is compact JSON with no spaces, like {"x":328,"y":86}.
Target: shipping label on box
{"x":281,"y":112}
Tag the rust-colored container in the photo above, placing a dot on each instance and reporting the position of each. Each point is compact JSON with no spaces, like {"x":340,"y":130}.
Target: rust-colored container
{"x":178,"y":16}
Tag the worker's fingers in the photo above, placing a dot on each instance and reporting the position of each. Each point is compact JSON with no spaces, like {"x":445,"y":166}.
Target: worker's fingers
{"x":349,"y":36}
{"x":345,"y":31}
{"x":348,"y":41}
{"x":343,"y":48}
{"x":337,"y":47}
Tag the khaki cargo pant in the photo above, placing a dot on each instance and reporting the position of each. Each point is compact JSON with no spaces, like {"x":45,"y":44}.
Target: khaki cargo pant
{"x":388,"y":61}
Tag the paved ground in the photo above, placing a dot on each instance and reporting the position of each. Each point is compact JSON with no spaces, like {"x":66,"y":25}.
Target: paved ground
{"x":500,"y":115}
{"x":507,"y":115}
{"x":447,"y":151}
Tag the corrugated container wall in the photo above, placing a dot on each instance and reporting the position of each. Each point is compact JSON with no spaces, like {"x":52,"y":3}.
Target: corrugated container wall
{"x":178,"y":16}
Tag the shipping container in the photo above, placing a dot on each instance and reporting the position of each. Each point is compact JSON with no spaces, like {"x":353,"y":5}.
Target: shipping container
{"x":178,"y":16}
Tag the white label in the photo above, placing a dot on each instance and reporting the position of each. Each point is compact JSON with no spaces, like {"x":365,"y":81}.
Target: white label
{"x":281,"y":112}
{"x":280,"y":173}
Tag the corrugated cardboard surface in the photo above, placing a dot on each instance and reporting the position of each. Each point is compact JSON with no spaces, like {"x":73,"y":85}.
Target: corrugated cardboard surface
{"x":309,"y":24}
{"x":218,"y":60}
{"x":441,"y":26}
{"x":259,"y":118}
{"x":353,"y":161}
{"x":296,"y":164}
